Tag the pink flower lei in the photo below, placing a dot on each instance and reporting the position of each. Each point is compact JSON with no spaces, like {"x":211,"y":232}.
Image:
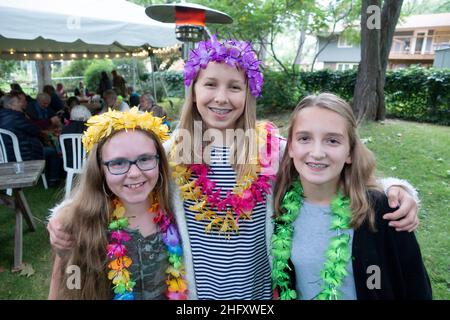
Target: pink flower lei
{"x":232,"y":52}
{"x":238,"y":204}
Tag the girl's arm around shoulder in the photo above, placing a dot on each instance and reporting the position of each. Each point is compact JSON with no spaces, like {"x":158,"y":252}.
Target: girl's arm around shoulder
{"x":406,"y":248}
{"x":59,"y":219}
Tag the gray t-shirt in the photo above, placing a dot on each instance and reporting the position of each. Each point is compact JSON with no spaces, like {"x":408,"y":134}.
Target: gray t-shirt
{"x":311,"y":239}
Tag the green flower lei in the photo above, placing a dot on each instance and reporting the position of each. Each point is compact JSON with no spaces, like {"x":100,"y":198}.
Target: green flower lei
{"x":337,"y":254}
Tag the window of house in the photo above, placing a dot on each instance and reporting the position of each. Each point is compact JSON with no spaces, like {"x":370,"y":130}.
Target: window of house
{"x":344,"y":43}
{"x":346,"y":66}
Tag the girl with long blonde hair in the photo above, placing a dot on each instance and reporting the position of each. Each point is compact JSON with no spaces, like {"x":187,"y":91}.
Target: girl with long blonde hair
{"x":329,"y":232}
{"x":119,"y":216}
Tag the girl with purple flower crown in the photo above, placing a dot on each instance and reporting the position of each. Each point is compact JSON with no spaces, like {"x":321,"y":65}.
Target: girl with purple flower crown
{"x":221,"y":191}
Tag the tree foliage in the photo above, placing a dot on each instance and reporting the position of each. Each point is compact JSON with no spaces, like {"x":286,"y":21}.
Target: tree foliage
{"x":93,"y":73}
{"x":413,"y":7}
{"x":7,"y":67}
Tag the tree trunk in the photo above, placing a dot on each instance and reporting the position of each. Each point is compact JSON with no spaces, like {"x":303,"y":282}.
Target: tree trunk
{"x":298,"y":56}
{"x":262,"y":53}
{"x":44,"y":73}
{"x":368,"y":101}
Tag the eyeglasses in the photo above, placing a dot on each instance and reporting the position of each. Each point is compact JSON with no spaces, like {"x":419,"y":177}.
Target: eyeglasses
{"x":121,"y":165}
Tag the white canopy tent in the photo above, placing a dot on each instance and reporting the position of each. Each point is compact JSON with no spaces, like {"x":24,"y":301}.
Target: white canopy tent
{"x":74,"y":29}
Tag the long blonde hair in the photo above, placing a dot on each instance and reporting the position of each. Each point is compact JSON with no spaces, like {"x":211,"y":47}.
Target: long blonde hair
{"x":88,"y":218}
{"x":243,"y":161}
{"x":356,"y":178}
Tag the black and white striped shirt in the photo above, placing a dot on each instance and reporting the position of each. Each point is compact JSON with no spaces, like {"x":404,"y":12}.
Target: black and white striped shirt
{"x":229,"y":268}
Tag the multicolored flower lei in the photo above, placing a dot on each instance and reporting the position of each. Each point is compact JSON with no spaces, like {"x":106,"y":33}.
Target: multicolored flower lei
{"x":338,"y":253}
{"x":120,"y":262}
{"x":232,"y":52}
{"x":239,"y":203}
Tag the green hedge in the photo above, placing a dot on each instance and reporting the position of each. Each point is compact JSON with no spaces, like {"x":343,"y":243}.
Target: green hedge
{"x":412,"y":93}
{"x":419,"y":94}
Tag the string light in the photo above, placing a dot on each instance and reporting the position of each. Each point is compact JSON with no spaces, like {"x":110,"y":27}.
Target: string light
{"x":142,"y":54}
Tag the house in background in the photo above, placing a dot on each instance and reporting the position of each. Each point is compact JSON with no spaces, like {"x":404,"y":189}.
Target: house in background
{"x":337,"y":53}
{"x":442,"y":59}
{"x":415,"y":40}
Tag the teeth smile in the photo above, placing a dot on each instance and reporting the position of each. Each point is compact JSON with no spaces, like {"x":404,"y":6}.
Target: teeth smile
{"x":220,"y":111}
{"x":134,"y":186}
{"x":314,"y":165}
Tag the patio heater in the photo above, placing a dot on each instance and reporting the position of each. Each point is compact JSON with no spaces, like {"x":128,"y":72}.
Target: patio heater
{"x":190,"y":19}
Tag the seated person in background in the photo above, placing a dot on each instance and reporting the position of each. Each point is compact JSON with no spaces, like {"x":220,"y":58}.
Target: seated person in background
{"x":17,"y":88}
{"x":146,"y":102}
{"x":133,"y":97}
{"x":13,"y":118}
{"x":50,"y":124}
{"x":159,"y":111}
{"x":111,"y":101}
{"x":41,"y":114}
{"x":56,"y":103}
{"x":71,"y":102}
{"x":78,"y":117}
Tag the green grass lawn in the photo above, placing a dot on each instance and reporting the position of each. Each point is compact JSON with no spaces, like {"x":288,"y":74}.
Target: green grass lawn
{"x":419,"y":153}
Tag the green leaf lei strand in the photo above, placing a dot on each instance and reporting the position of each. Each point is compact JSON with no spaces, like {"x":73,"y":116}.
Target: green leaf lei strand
{"x":338,"y":253}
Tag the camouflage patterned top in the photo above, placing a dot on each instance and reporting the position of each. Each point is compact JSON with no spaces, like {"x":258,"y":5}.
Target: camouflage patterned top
{"x":150,"y":262}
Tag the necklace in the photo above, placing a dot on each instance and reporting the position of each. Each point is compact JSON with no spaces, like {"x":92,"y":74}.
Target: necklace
{"x":238,"y":203}
{"x":337,"y":255}
{"x":120,"y":262}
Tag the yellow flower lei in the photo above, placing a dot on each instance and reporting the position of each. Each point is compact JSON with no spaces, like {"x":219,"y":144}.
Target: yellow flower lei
{"x":101,"y":126}
{"x":190,"y":191}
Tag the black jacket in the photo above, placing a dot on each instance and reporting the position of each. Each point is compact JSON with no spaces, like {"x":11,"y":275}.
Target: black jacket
{"x":395,"y":254}
{"x":42,"y":122}
{"x":27,"y":133}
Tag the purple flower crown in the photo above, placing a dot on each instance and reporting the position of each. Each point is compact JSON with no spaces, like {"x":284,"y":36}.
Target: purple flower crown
{"x":232,"y":52}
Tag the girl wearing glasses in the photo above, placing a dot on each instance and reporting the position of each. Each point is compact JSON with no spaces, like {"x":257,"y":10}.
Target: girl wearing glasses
{"x":126,"y":245}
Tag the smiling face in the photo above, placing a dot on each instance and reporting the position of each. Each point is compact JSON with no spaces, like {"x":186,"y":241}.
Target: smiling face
{"x":319,"y":147}
{"x":134,"y":186}
{"x":219,"y":93}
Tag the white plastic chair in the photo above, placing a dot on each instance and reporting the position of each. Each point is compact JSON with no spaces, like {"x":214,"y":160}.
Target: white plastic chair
{"x":78,"y":157}
{"x":17,"y":155}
